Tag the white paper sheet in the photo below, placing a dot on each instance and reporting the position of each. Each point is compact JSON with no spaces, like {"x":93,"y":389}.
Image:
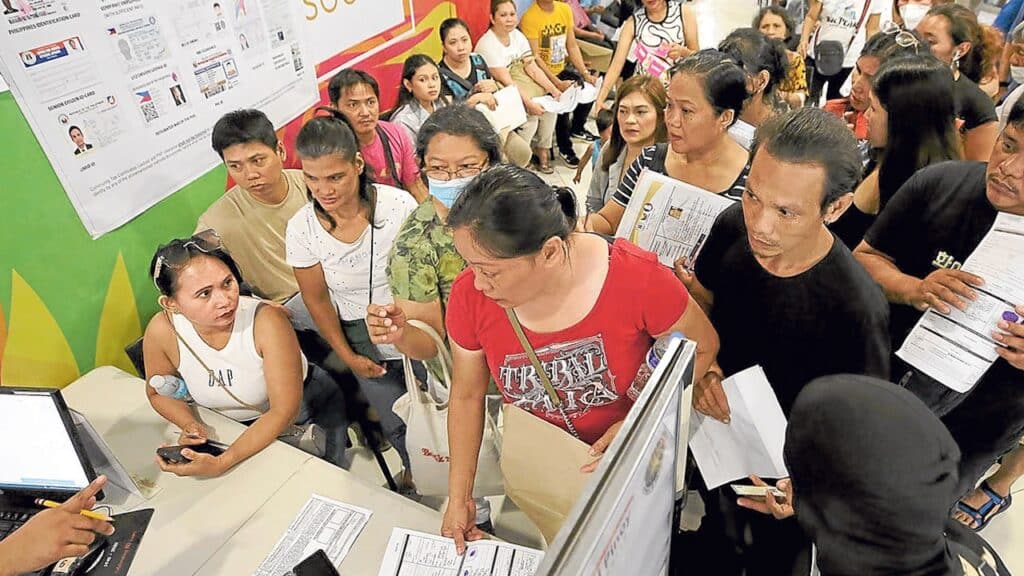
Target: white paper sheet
{"x":510,"y":113}
{"x":588,"y":92}
{"x":322,"y":524}
{"x":669,"y":217}
{"x":752,"y":441}
{"x":956,"y":349}
{"x":565,"y":103}
{"x":411,"y":553}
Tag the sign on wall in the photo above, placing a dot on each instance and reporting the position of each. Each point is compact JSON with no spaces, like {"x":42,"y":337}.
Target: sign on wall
{"x":123,"y":94}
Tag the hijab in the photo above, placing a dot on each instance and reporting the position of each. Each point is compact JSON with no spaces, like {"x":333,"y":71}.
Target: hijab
{"x":874,"y":474}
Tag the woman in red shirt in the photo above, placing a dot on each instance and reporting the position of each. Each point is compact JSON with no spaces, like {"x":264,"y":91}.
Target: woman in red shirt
{"x":590,"y":309}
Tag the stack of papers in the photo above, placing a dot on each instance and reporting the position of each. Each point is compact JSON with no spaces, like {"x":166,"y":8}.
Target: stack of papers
{"x":569,"y":100}
{"x":751,"y":443}
{"x":412,"y":553}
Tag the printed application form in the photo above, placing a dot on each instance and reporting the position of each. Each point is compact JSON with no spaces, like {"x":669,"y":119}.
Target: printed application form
{"x":321,"y":524}
{"x":669,"y":217}
{"x":411,"y":553}
{"x":752,"y":441}
{"x":957,"y":348}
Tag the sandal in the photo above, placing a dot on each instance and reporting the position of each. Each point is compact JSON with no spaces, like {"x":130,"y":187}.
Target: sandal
{"x":543,"y":168}
{"x":983,"y":515}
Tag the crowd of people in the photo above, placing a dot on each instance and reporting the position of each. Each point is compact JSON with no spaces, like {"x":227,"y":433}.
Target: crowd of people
{"x":865,"y":147}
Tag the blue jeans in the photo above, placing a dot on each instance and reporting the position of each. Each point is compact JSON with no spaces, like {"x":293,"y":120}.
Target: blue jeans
{"x":323,"y":403}
{"x":382,"y":392}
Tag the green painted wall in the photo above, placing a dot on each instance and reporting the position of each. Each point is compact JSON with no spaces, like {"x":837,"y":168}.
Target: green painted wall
{"x":42,"y":239}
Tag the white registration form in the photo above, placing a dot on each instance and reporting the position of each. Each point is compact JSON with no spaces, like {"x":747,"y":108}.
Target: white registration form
{"x":411,"y":553}
{"x":669,"y":217}
{"x":957,"y":348}
{"x":322,"y":524}
{"x":752,"y":441}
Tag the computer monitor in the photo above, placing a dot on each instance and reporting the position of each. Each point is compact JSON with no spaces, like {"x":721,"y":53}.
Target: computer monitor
{"x":624,"y":521}
{"x":41,"y":455}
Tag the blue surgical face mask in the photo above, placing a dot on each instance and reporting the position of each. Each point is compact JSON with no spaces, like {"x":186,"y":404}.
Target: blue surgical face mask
{"x":447,"y":192}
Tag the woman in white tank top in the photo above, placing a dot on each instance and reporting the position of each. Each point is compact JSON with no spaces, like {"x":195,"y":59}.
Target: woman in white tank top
{"x":237,"y":357}
{"x":659,"y":33}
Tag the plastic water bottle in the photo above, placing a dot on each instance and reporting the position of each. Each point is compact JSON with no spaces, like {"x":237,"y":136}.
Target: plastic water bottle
{"x":651,"y":360}
{"x":170,"y":386}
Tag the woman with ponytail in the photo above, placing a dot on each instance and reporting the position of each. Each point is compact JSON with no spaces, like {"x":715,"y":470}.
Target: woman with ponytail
{"x":338,"y":245}
{"x":575,"y":297}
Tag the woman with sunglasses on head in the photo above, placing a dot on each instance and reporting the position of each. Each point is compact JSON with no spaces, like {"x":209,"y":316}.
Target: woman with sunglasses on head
{"x":765,"y":61}
{"x":237,"y":355}
{"x":639,"y":122}
{"x":338,"y":245}
{"x":573,"y":299}
{"x":705,"y":97}
{"x":911,"y":124}
{"x":955,"y":37}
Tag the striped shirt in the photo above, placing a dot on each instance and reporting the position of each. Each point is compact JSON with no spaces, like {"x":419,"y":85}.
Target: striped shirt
{"x":647,"y":158}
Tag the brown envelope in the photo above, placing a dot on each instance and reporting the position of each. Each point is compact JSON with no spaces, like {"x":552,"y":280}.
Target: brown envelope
{"x":541,"y":465}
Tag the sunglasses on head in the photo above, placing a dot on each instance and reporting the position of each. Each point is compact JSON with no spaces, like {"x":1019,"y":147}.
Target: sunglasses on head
{"x":904,"y":39}
{"x":177,"y":253}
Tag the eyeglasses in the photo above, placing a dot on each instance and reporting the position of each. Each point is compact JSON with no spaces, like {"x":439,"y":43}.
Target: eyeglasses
{"x":444,"y":175}
{"x":176,"y":254}
{"x":904,"y":38}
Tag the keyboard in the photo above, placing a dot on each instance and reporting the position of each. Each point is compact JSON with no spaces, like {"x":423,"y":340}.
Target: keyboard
{"x":11,"y":520}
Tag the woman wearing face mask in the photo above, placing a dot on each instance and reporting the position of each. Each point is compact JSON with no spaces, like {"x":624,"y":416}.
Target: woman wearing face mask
{"x":338,"y":246}
{"x":705,"y":97}
{"x":639,"y":122}
{"x":956,"y":38}
{"x":912,"y":124}
{"x":574,"y":295}
{"x":909,"y":13}
{"x":775,"y":23}
{"x":421,"y":93}
{"x":237,"y":356}
{"x":455,"y":145}
{"x":873,"y":474}
{"x":765,"y":62}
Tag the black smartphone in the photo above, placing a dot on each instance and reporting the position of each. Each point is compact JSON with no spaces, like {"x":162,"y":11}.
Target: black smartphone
{"x":316,"y":565}
{"x":172,"y":454}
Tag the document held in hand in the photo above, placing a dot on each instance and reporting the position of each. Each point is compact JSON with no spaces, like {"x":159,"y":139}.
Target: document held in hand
{"x":418,"y":553}
{"x":957,"y":348}
{"x":752,"y":441}
{"x":510,"y":112}
{"x":669,"y":217}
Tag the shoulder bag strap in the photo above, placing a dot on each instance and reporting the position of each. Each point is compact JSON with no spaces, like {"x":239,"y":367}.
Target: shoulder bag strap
{"x":389,"y":157}
{"x":213,"y":375}
{"x":453,"y":76}
{"x":863,"y":17}
{"x":539,"y":368}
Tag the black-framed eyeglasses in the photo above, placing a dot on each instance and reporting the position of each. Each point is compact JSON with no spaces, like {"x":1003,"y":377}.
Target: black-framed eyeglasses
{"x":904,"y":38}
{"x":444,"y":175}
{"x":176,"y":254}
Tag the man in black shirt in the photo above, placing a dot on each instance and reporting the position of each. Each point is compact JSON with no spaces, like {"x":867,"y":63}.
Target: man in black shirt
{"x":915,"y":250}
{"x":783,"y":292}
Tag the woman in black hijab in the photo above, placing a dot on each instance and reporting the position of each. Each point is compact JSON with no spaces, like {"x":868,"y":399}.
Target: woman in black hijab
{"x":874,"y":474}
